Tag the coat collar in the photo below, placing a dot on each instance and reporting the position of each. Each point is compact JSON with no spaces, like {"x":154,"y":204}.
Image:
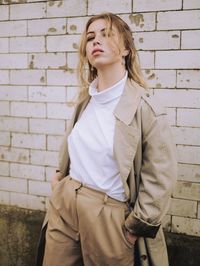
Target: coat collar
{"x":128,"y":103}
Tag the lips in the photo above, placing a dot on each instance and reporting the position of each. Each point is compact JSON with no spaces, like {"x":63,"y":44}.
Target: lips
{"x":97,"y":50}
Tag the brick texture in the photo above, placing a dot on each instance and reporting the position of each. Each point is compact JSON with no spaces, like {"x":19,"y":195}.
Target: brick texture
{"x":38,"y":59}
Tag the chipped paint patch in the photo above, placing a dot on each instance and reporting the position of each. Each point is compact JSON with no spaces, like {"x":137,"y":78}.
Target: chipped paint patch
{"x":52,"y":29}
{"x":73,"y":27}
{"x":137,"y":19}
{"x":75,"y":45}
{"x":141,"y":40}
{"x":152,"y":76}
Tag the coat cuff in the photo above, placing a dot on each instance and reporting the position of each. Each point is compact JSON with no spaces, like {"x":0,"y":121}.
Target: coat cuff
{"x":139,"y":227}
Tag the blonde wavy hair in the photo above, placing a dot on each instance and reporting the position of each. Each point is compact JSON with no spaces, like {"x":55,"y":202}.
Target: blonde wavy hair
{"x":87,"y":73}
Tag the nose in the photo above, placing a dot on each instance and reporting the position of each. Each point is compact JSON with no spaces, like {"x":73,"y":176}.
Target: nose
{"x":96,"y":40}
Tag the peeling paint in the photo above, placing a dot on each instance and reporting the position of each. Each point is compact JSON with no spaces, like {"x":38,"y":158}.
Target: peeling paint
{"x":63,"y":27}
{"x":2,"y":156}
{"x":64,"y":67}
{"x":137,"y":19}
{"x":51,"y":3}
{"x":175,"y":36}
{"x":73,"y":27}
{"x":152,"y":76}
{"x":31,"y":65}
{"x":158,"y":85}
{"x":75,"y":45}
{"x":52,"y":29}
{"x":60,"y":3}
{"x":42,"y":79}
{"x":147,"y":71}
{"x":141,"y":40}
{"x":197,"y":176}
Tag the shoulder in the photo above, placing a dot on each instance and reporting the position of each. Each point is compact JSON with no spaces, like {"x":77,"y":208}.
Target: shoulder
{"x":150,"y":102}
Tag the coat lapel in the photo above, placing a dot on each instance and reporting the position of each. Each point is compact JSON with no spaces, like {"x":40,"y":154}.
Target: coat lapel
{"x":126,"y":136}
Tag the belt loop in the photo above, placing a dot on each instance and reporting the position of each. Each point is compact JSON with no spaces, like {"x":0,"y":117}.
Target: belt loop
{"x":76,"y":189}
{"x":105,"y":199}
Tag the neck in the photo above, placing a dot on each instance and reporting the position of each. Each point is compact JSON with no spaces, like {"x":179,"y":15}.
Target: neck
{"x":108,"y":77}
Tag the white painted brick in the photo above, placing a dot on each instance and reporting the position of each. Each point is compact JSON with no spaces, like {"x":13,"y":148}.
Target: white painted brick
{"x":158,"y":40}
{"x":72,"y":93}
{"x":13,"y":28}
{"x":188,"y":117}
{"x":8,"y":93}
{"x":66,"y":8}
{"x":4,"y":139}
{"x":27,"y":201}
{"x":166,"y":223}
{"x":160,"y":78}
{"x":13,"y":61}
{"x":66,"y":43}
{"x":4,"y":166}
{"x":179,"y":98}
{"x":122,"y":6}
{"x":47,"y":126}
{"x":177,"y":59}
{"x":178,"y":20}
{"x":60,"y":77}
{"x":185,"y":208}
{"x":186,"y":135}
{"x":27,"y":77}
{"x":27,"y":171}
{"x":187,"y":190}
{"x":72,"y":60}
{"x":27,"y":44}
{"x":59,"y":111}
{"x":4,"y":197}
{"x":13,"y":184}
{"x":188,"y":79}
{"x":191,"y":4}
{"x":140,"y":21}
{"x":47,"y":94}
{"x":4,"y":108}
{"x":39,"y":188}
{"x":187,"y":172}
{"x":14,"y":155}
{"x":50,"y":171}
{"x":4,"y":12}
{"x":171,"y":116}
{"x":186,"y":226}
{"x":47,"y":26}
{"x":4,"y":77}
{"x":190,"y":39}
{"x":14,"y":124}
{"x":155,"y":5}
{"x":48,"y":60}
{"x":28,"y":109}
{"x":27,"y":11}
{"x":4,"y":45}
{"x":76,"y":25}
{"x":32,"y":141}
{"x":46,"y":158}
{"x":189,"y":154}
{"x":54,"y":142}
{"x":146,"y":59}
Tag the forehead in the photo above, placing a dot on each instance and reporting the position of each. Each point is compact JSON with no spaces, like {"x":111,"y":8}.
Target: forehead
{"x":97,"y":25}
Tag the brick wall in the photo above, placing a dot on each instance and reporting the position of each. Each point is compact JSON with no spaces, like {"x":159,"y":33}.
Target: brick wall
{"x":38,"y":57}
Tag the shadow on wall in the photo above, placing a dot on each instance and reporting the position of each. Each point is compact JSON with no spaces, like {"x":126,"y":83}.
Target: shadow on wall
{"x":19,"y":231}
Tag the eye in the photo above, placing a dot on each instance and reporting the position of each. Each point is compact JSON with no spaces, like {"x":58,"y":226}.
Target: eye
{"x":90,"y":38}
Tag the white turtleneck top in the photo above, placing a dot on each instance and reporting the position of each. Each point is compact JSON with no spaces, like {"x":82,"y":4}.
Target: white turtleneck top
{"x":91,"y":142}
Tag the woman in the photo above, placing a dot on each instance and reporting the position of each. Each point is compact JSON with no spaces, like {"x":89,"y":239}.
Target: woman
{"x":117,"y":162}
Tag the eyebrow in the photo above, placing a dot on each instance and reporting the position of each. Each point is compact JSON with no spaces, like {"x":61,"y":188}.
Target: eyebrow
{"x":91,"y":32}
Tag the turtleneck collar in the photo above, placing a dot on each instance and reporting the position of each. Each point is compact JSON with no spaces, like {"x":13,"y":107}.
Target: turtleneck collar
{"x":108,"y":94}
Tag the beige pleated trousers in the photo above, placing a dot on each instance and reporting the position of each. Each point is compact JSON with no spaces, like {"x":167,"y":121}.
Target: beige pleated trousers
{"x":85,"y":227}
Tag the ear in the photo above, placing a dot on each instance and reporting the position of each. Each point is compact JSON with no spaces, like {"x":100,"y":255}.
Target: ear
{"x":125,"y":52}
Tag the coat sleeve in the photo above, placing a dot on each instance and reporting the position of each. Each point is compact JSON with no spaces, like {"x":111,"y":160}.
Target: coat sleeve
{"x":158,"y":172}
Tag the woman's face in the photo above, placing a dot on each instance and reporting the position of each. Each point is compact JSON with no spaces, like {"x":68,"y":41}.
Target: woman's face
{"x":102,"y":49}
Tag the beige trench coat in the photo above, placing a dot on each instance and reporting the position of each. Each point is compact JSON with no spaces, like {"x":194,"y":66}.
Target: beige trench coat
{"x":146,"y":159}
